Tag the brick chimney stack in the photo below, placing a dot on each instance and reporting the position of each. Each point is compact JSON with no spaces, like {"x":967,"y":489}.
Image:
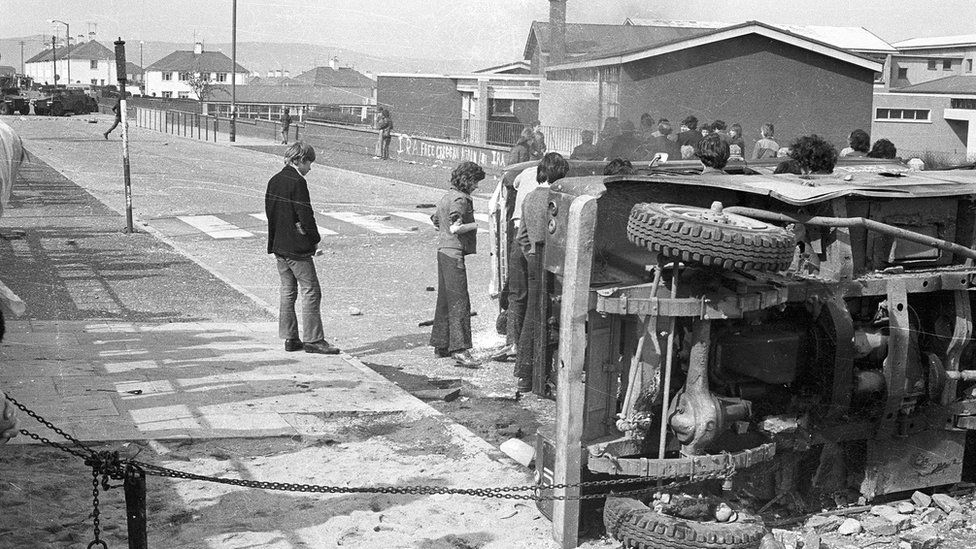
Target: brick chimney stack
{"x":557,"y":31}
{"x":198,"y":48}
{"x":334,"y":63}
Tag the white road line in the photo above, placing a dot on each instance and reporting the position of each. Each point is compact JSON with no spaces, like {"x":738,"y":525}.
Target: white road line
{"x":365,"y":222}
{"x":322,"y":230}
{"x":214,"y":226}
{"x":425,"y":218}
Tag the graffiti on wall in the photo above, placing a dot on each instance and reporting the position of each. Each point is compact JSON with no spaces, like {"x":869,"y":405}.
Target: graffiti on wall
{"x":408,"y":145}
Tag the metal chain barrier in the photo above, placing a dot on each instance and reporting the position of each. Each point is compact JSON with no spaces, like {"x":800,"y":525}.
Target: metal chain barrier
{"x":107,"y":465}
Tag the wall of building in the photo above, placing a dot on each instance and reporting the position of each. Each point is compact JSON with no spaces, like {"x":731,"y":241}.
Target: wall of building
{"x":82,"y":72}
{"x":941,"y":137}
{"x":917,"y":70}
{"x":156,"y":85}
{"x":569,"y":104}
{"x":422,"y":105}
{"x":752,"y":80}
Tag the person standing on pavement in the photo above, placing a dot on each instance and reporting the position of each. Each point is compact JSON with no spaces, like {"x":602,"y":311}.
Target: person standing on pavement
{"x":285,"y":125}
{"x":117,"y":109}
{"x":293,"y":237}
{"x":384,"y":123}
{"x":457,"y":237}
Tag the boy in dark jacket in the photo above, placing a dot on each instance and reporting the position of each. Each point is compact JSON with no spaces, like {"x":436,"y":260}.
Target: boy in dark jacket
{"x":293,"y":238}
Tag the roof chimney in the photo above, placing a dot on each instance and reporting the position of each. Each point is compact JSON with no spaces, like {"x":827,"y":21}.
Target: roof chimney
{"x":334,"y":63}
{"x":91,"y":36}
{"x":277,"y":73}
{"x":270,"y":74}
{"x":287,"y":74}
{"x":81,"y":39}
{"x":557,"y":31}
{"x":198,"y":48}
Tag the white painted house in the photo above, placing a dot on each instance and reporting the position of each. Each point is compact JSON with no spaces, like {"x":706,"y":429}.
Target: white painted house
{"x":87,"y":63}
{"x":170,"y":76}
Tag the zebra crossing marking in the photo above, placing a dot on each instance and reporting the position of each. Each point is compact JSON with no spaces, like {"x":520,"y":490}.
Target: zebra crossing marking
{"x":425,"y":218}
{"x":214,"y":226}
{"x":322,"y":230}
{"x":365,"y":222}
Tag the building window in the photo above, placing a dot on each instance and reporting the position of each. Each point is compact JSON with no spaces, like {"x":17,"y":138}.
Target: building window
{"x":907,"y":115}
{"x":185,"y":76}
{"x":947,"y":64}
{"x":502,"y":107}
{"x":969,"y":65}
{"x":903,"y":73}
{"x":94,"y":63}
{"x":167,"y":95}
{"x":94,"y":81}
{"x":221,"y":77}
{"x":961,"y":103}
{"x":167,"y":76}
{"x":184,"y":95}
{"x":933,"y":64}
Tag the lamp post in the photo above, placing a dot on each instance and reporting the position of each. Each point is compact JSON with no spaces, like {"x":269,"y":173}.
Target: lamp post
{"x":233,"y":75}
{"x":142,"y":68}
{"x":67,"y":43}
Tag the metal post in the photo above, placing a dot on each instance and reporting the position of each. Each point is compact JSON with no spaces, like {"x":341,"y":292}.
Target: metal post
{"x":134,"y":486}
{"x":120,"y":76}
{"x":54,"y":58}
{"x":233,"y":76}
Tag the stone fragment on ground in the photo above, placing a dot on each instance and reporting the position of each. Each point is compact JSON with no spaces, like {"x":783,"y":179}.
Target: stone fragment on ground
{"x":823,"y":524}
{"x":923,"y":537}
{"x":905,"y":507}
{"x":956,"y":519}
{"x":931,"y":515}
{"x":878,"y":526}
{"x":811,"y":540}
{"x":946,"y":502}
{"x":769,"y":541}
{"x":921,"y":500}
{"x":789,"y":539}
{"x":849,"y":527}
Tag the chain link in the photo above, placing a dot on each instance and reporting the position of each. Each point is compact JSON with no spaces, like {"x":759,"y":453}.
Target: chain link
{"x":109,"y":465}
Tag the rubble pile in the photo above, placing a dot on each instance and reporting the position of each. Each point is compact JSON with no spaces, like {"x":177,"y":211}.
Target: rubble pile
{"x":924,"y":522}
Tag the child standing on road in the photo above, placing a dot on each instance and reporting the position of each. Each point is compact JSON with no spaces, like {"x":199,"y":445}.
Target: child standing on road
{"x":457,"y":237}
{"x":285,"y":125}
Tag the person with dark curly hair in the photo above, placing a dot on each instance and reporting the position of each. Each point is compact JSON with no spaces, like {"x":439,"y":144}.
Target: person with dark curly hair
{"x":813,"y":154}
{"x":689,"y":134}
{"x":883,"y":148}
{"x":859,"y":143}
{"x":530,"y":240}
{"x":618,"y":166}
{"x":522,"y":149}
{"x":713,"y":151}
{"x":457,"y":237}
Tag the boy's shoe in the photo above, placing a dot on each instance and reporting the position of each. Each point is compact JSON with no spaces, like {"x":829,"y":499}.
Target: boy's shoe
{"x":321,"y":347}
{"x":294,"y":345}
{"x":465,"y":360}
{"x":505,"y":354}
{"x":441,"y":352}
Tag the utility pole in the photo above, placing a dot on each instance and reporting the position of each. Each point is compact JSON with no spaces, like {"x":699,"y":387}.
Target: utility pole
{"x":121,"y":77}
{"x":22,"y":57}
{"x":54,"y":58}
{"x":233,"y":75}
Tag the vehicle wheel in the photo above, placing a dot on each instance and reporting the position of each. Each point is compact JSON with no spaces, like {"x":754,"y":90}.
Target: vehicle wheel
{"x":25,"y":110}
{"x":6,"y":109}
{"x":636,"y":525}
{"x":56,"y":109}
{"x":710,"y":237}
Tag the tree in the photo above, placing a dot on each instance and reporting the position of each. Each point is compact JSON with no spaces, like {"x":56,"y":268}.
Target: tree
{"x":203,"y":87}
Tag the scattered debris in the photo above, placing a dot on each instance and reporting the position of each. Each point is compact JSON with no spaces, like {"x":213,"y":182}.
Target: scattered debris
{"x":878,"y":526}
{"x":824,"y":523}
{"x":353,"y":311}
{"x":770,"y":542}
{"x":447,"y":395}
{"x":518,"y":450}
{"x":931,"y":515}
{"x":923,"y":537}
{"x":946,"y":502}
{"x":849,"y":527}
{"x":905,"y":508}
{"x":426,"y":205}
{"x":430,"y":288}
{"x":921,"y":500}
{"x":775,"y":425}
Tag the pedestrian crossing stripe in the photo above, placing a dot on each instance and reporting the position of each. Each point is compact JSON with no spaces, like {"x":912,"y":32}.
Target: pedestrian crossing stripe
{"x":322,"y":230}
{"x":217,"y":228}
{"x":214,"y":226}
{"x":365,"y":222}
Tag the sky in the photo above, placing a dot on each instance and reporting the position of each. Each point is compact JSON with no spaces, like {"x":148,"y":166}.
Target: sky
{"x":486,"y":31}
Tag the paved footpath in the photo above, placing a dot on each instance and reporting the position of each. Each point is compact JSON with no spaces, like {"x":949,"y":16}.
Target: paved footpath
{"x":127,"y":339}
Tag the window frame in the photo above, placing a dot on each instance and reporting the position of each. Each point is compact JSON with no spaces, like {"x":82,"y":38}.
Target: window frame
{"x":221,"y":77}
{"x":947,"y":64}
{"x":185,"y":76}
{"x":168,"y":76}
{"x":167,"y":95}
{"x":913,"y":118}
{"x":902,"y":73}
{"x":93,"y":65}
{"x":933,"y":64}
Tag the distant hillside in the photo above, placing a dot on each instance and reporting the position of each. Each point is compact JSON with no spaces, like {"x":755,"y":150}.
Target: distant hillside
{"x":256,"y":56}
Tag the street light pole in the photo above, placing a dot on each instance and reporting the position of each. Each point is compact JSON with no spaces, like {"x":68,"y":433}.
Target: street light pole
{"x":233,"y":75}
{"x":54,"y":58}
{"x":67,"y":45}
{"x":142,"y":68}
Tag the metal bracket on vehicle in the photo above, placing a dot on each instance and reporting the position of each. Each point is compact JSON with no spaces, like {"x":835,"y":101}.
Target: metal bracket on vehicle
{"x":705,"y":307}
{"x":680,"y":467}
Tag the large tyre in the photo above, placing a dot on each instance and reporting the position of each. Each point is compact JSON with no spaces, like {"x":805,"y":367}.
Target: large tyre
{"x":6,"y":109}
{"x":56,"y":109}
{"x":710,"y":237}
{"x":637,"y":526}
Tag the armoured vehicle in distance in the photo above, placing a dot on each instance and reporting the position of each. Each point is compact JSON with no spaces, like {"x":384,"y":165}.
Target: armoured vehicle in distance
{"x":11,"y":100}
{"x":803,"y":340}
{"x":58,"y":101}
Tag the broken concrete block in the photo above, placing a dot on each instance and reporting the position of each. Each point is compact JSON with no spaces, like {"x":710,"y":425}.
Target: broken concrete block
{"x":790,"y":540}
{"x":811,"y":540}
{"x":519,"y":451}
{"x":878,"y":526}
{"x":775,"y":425}
{"x":905,"y":507}
{"x":884,"y":511}
{"x":956,"y":519}
{"x":946,"y":502}
{"x":931,"y":515}
{"x":849,"y":527}
{"x":902,"y":522}
{"x":770,"y":542}
{"x":923,"y":537}
{"x":824,"y":523}
{"x":921,"y":500}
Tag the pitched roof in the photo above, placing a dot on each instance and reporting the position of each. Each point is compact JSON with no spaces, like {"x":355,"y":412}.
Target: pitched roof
{"x":311,"y":95}
{"x":856,"y":39}
{"x":85,"y":50}
{"x":708,"y":36}
{"x":588,"y":38}
{"x":344,"y":77}
{"x":186,"y":60}
{"x":514,"y":67}
{"x":948,"y":84}
{"x":936,"y":42}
